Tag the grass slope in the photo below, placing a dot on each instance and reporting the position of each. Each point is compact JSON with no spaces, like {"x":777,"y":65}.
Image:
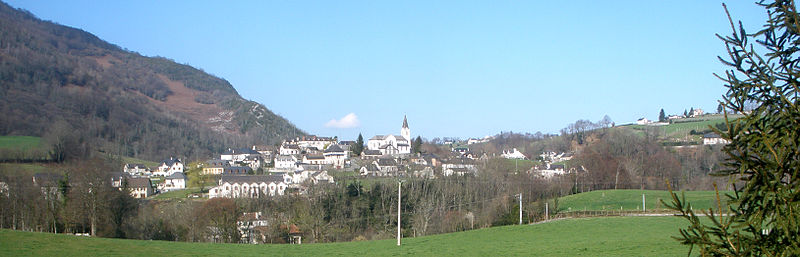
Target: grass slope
{"x":611,"y":236}
{"x":632,"y":200}
{"x":20,"y":142}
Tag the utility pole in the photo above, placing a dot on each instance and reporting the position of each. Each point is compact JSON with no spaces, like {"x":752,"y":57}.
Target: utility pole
{"x":520,"y":208}
{"x":546,"y":211}
{"x":399,"y":187}
{"x":643,"y":204}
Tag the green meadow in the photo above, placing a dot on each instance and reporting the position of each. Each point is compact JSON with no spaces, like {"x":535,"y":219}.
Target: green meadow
{"x":608,"y":236}
{"x":632,"y":200}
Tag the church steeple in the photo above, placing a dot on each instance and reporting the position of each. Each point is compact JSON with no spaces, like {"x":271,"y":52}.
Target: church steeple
{"x":405,"y":131}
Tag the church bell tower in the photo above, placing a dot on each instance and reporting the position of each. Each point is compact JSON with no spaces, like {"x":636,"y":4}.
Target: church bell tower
{"x":405,"y":131}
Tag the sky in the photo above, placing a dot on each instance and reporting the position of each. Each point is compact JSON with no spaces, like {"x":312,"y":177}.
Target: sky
{"x":454,"y":68}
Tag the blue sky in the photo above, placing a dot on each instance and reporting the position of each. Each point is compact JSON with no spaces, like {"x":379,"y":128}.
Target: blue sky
{"x":456,"y":68}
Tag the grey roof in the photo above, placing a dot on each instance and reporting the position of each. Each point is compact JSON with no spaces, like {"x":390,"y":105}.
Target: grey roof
{"x":372,"y":152}
{"x":290,"y":146}
{"x":177,"y":175}
{"x":171,"y":161}
{"x":139,"y":183}
{"x":218,"y":163}
{"x":386,"y":162}
{"x":236,"y":170}
{"x":241,"y":179}
{"x":240,"y":151}
{"x":315,"y":157}
{"x":334,"y":148}
{"x":135,"y":166}
{"x":711,"y":135}
{"x":378,"y":137}
{"x":285,"y":158}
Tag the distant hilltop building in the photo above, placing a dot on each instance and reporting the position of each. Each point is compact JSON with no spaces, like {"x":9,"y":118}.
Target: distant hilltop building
{"x":392,"y":144}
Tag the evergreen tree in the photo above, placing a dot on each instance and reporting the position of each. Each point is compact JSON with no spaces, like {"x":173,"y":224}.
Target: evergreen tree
{"x":720,"y":108}
{"x":685,"y":113}
{"x":661,"y":116}
{"x":691,"y":111}
{"x":358,"y":147}
{"x":764,"y":154}
{"x":416,"y":146}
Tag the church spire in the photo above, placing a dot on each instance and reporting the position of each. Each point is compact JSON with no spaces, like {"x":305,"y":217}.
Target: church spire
{"x":405,"y":122}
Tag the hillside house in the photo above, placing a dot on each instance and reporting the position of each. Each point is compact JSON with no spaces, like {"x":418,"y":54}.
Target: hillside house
{"x":249,"y":224}
{"x":513,"y":154}
{"x":289,"y":149}
{"x":169,"y":166}
{"x":643,"y":121}
{"x":714,"y":139}
{"x":459,"y":167}
{"x":335,"y":156}
{"x":696,"y":113}
{"x":371,"y":154}
{"x":238,"y":155}
{"x":176,"y":181}
{"x":285,"y":162}
{"x":139,"y":187}
{"x":136,"y":169}
{"x":314,"y":159}
{"x":238,"y":186}
{"x":314,"y":142}
{"x":215,"y":166}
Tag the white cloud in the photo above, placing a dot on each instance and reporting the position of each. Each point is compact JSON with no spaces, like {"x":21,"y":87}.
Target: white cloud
{"x":348,"y":121}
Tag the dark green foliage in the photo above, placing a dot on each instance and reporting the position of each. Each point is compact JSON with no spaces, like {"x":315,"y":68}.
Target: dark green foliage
{"x":358,"y":147}
{"x":416,"y":145}
{"x":111,"y":100}
{"x":764,"y":153}
{"x":661,"y":116}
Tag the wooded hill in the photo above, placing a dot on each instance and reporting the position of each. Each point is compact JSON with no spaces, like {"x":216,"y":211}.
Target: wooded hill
{"x":78,"y":91}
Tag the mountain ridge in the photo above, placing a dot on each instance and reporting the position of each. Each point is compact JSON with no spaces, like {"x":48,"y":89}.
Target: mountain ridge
{"x":63,"y":83}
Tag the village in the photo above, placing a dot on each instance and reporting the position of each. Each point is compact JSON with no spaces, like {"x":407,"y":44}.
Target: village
{"x":303,"y":162}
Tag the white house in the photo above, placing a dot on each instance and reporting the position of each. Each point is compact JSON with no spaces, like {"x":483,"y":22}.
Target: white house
{"x":289,"y":149}
{"x":459,"y":167}
{"x":176,"y":181}
{"x":314,"y":159}
{"x":314,"y":142}
{"x":513,"y":154}
{"x":285,"y":162}
{"x":696,"y":112}
{"x":643,"y":121}
{"x":135,"y":169}
{"x":392,"y":144}
{"x":238,"y":155}
{"x":713,"y":139}
{"x":169,"y":166}
{"x":335,"y":156}
{"x":238,"y":186}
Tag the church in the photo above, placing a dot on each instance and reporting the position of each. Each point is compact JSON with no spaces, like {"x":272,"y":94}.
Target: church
{"x":392,"y":144}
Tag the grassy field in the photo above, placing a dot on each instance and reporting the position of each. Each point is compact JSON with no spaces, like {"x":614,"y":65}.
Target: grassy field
{"x":610,"y":236}
{"x":131,"y":160}
{"x":177,"y":194}
{"x":21,"y":169}
{"x":20,"y":142}
{"x":632,"y":200}
{"x":680,"y":129}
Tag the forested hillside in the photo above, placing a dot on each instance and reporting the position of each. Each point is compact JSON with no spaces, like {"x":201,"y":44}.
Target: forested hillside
{"x":84,"y":95}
